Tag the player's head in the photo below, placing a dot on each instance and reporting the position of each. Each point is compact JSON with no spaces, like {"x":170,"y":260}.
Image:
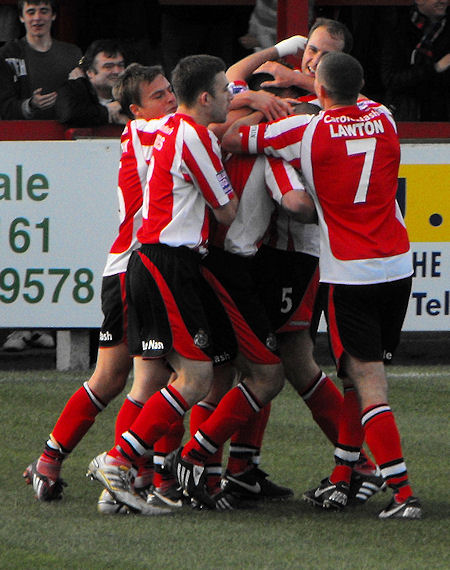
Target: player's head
{"x":325,"y":36}
{"x":255,"y":80}
{"x":144,"y":92}
{"x":200,"y":81}
{"x":339,"y":79}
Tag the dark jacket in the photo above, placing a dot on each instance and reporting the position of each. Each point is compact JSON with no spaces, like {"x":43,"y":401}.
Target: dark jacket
{"x":50,"y":70}
{"x":78,"y":105}
{"x":415,"y":92}
{"x":10,"y":104}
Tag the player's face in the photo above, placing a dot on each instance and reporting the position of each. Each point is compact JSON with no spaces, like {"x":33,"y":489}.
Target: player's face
{"x":157,"y":99}
{"x":37,"y":19}
{"x":432,"y":8}
{"x":318,"y":45}
{"x":220,"y":99}
{"x":106,"y":70}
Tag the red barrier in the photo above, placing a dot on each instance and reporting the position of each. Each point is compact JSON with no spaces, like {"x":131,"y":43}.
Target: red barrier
{"x":52,"y":130}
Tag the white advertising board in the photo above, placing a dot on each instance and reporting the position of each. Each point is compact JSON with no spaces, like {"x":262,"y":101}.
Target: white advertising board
{"x":58,"y":219}
{"x":59,"y":216}
{"x":425,"y":181}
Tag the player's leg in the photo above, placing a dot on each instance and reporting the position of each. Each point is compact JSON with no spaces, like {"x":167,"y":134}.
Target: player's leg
{"x":78,"y":415}
{"x":150,"y":376}
{"x":108,"y":380}
{"x":158,"y":305}
{"x":260,"y":367}
{"x":368,"y":319}
{"x":114,"y":468}
{"x":222,"y":382}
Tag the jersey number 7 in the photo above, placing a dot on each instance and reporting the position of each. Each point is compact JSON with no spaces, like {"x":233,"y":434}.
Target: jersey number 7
{"x":366,"y":147}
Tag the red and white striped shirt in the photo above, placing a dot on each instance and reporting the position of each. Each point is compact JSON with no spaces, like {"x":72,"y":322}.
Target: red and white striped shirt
{"x":136,"y":144}
{"x":259,"y":182}
{"x":349,"y":158}
{"x":185,"y":175}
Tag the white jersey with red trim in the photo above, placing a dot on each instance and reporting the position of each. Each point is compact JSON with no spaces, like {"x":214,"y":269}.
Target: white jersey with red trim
{"x":185,"y":175}
{"x":285,"y":232}
{"x":259,"y":182}
{"x":136,"y":144}
{"x":350,"y":158}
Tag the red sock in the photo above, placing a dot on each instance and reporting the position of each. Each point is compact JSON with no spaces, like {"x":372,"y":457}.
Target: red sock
{"x":159,"y":413}
{"x":127,"y":414}
{"x":383,"y":439}
{"x":325,"y":402}
{"x":199,"y":414}
{"x":351,"y":437}
{"x":234,"y":409}
{"x":247,"y":441}
{"x":77,"y":417}
{"x":167,"y":443}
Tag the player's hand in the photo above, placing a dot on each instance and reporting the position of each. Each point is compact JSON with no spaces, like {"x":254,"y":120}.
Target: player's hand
{"x":283,"y":76}
{"x":291,"y":46}
{"x":40,"y":101}
{"x":272,"y":106}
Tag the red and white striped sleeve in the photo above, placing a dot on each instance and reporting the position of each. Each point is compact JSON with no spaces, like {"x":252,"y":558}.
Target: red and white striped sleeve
{"x":280,"y":138}
{"x":281,"y":178}
{"x":202,"y":156}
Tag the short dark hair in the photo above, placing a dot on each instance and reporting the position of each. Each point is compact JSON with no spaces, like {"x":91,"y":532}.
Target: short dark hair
{"x":109,"y":47}
{"x":127,"y":88}
{"x":336,"y":29}
{"x":342,"y":76}
{"x":195,"y":74}
{"x":52,"y":3}
{"x":255,"y":80}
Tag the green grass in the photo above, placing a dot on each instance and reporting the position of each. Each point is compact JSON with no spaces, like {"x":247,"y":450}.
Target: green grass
{"x":70,"y":533}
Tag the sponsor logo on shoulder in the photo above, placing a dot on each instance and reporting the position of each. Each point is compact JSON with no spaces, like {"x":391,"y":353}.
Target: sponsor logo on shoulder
{"x":224,"y":182}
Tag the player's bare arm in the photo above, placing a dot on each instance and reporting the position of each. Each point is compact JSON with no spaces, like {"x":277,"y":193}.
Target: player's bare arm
{"x":226,"y":214}
{"x":244,"y":67}
{"x":244,"y":103}
{"x":300,"y":206}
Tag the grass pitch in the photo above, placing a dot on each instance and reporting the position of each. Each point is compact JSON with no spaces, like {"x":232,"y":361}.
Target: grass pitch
{"x":70,"y":534}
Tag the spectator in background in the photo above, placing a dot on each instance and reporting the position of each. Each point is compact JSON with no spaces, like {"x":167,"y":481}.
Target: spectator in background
{"x":86,"y":98}
{"x":262,"y":26}
{"x":415,"y":63}
{"x":39,"y":64}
